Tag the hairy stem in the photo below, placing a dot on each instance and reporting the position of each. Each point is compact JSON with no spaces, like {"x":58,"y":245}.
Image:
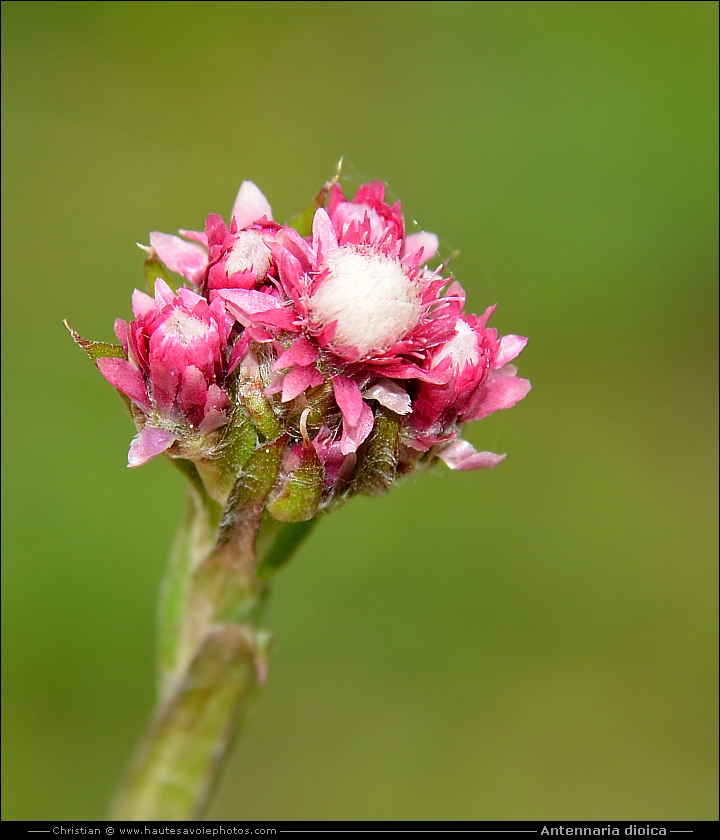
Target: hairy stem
{"x":212,"y":648}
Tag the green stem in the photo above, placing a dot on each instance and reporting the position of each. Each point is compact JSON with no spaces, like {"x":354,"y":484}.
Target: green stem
{"x":181,"y":755}
{"x":212,"y":645}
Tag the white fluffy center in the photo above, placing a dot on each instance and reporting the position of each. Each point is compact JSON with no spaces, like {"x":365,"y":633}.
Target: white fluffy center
{"x":373,"y":301}
{"x":461,"y":348}
{"x":184,"y":328}
{"x":249,"y":253}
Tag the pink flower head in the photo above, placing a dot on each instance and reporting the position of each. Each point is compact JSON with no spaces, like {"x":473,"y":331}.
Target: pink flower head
{"x":240,"y":256}
{"x":342,"y":345}
{"x":479,"y":382}
{"x":361,"y":305}
{"x":234,"y":256}
{"x":176,"y":364}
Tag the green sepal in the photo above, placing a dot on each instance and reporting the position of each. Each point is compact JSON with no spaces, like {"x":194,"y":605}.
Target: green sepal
{"x":377,"y":467}
{"x":298,"y":498}
{"x":288,"y":540}
{"x":155,"y":270}
{"x":97,"y":349}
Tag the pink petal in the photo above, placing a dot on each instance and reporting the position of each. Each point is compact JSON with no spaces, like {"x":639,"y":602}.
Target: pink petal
{"x":216,"y":398}
{"x":391,"y":395}
{"x":283,"y":319}
{"x":456,"y":292}
{"x":127,"y":379}
{"x":238,"y":351}
{"x":326,"y":335}
{"x":248,"y":301}
{"x":353,"y":436}
{"x":216,"y":230}
{"x":290,"y":240}
{"x":324,"y":237}
{"x":164,"y":295}
{"x":398,"y":370}
{"x":215,"y":414}
{"x":291,"y":273}
{"x":142,"y":304}
{"x":510,"y":347}
{"x":212,"y":420}
{"x":497,"y":393}
{"x":251,"y":307}
{"x":275,"y":385}
{"x":198,"y":236}
{"x":349,"y":398}
{"x":301,"y":352}
{"x":299,"y":379}
{"x":336,"y":465}
{"x":185,"y":258}
{"x":192,"y":391}
{"x":148,"y":443}
{"x":164,"y":378}
{"x":120,"y":329}
{"x":485,"y":317}
{"x":250,"y":205}
{"x":461,"y":455}
{"x":428,"y":242}
{"x":191,"y":299}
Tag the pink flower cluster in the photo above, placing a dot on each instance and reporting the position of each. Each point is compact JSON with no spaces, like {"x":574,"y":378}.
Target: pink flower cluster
{"x":339,"y":326}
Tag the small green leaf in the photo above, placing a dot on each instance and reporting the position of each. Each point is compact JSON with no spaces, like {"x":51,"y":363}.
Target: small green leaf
{"x":154,"y":269}
{"x":238,"y":442}
{"x":288,"y":540}
{"x":190,"y":471}
{"x":97,"y":349}
{"x":302,"y":222}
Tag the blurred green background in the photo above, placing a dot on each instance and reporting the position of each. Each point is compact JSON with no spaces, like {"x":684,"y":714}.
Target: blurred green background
{"x":537,"y":642}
